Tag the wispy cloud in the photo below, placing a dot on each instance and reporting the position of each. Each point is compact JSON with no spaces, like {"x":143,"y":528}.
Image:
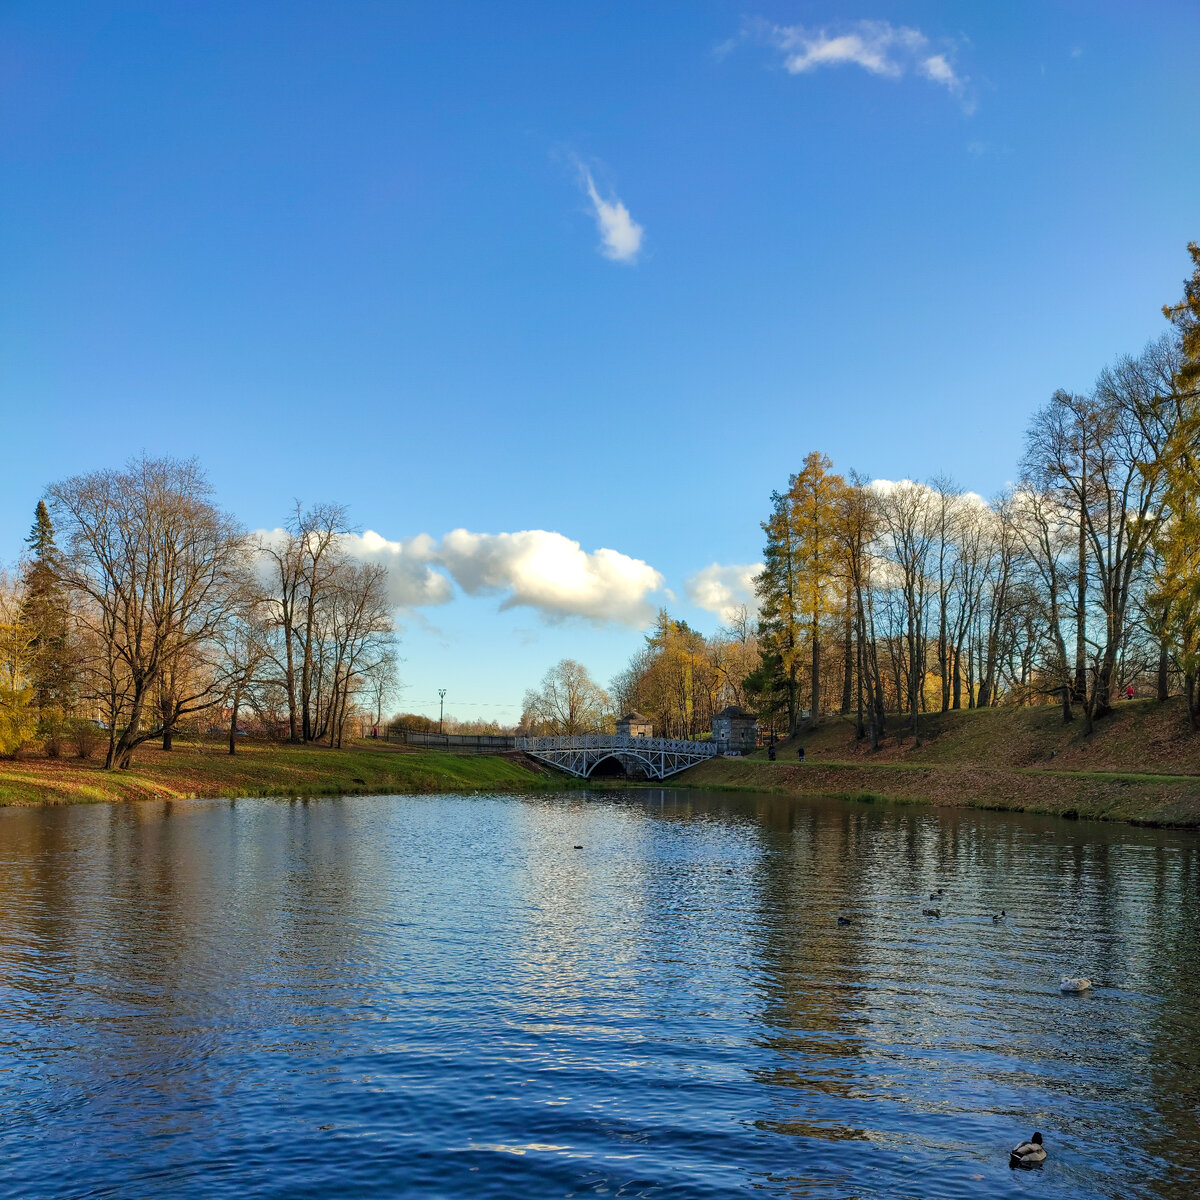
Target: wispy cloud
{"x":725,"y":590}
{"x":620,"y":235}
{"x":890,"y":51}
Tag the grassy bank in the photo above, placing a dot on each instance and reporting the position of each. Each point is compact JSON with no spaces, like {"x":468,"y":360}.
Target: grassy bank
{"x":1140,"y":765}
{"x":205,"y":769}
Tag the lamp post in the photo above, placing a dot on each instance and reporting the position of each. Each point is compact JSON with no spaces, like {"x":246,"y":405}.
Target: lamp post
{"x":441,"y":707}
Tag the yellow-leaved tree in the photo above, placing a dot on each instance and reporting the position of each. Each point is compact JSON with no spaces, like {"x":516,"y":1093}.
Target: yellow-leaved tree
{"x":1178,"y":577}
{"x":18,"y":718}
{"x":815,"y":495}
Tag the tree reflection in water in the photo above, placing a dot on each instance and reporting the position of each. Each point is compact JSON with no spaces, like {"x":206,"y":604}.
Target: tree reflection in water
{"x":439,"y":996}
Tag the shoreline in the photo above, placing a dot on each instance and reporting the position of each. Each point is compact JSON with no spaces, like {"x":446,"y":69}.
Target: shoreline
{"x":1159,"y":801}
{"x":204,"y":770}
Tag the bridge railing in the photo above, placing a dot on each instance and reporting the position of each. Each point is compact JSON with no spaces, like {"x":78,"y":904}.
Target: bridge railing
{"x":612,"y":741}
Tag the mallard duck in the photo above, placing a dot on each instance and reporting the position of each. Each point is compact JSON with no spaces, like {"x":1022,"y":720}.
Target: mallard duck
{"x":1000,"y":916}
{"x":931,"y":912}
{"x":1028,"y":1154}
{"x":843,"y":920}
{"x":1074,"y":985}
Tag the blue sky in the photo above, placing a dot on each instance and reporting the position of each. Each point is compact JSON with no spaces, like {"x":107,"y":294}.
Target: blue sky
{"x":349,"y":252}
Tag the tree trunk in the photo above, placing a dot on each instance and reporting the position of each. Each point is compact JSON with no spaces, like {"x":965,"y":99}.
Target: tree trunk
{"x":293,"y":734}
{"x":121,"y":753}
{"x":944,"y":659}
{"x":1089,"y":712}
{"x":233,"y":720}
{"x":167,"y":714}
{"x":1067,"y":715}
{"x":815,"y":710}
{"x":1081,"y":679}
{"x":859,"y":727}
{"x":879,"y":723}
{"x":1189,"y":689}
{"x":848,"y":659}
{"x":915,"y":677}
{"x":1164,"y":662}
{"x":1106,"y":677}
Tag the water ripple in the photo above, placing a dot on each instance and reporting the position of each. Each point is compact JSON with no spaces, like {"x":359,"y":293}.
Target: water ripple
{"x":438,"y":997}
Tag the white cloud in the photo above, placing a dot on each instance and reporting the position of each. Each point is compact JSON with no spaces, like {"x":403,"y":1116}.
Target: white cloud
{"x":876,"y":46}
{"x":412,"y":583}
{"x":936,"y":69}
{"x":531,"y":568}
{"x":724,"y":590}
{"x":620,"y":234}
{"x":888,"y":487}
{"x":553,"y":574}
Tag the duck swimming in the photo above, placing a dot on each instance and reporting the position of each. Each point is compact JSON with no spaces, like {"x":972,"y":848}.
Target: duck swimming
{"x":1075,"y":985}
{"x":931,"y":912}
{"x":1000,"y":916}
{"x":1028,"y":1154}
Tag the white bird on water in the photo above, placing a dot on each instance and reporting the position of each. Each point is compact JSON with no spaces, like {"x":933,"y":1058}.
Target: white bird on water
{"x":1081,"y":984}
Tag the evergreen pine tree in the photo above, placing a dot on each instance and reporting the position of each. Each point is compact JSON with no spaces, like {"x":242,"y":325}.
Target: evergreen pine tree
{"x":1185,"y":316}
{"x":44,"y":613}
{"x":778,"y":587}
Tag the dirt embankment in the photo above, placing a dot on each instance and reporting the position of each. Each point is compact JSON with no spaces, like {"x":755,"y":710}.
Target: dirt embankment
{"x":1142,"y":764}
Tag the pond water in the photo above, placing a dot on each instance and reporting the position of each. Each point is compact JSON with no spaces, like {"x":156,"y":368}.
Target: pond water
{"x":444,"y":997}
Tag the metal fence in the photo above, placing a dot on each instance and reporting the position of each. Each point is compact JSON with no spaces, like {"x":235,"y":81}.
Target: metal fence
{"x":462,"y":743}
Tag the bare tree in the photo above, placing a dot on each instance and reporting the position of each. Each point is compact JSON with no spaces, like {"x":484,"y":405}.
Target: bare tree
{"x":301,"y":562}
{"x":568,"y":702}
{"x":357,"y":639}
{"x":156,"y":565}
{"x":245,"y":645}
{"x":1101,"y":457}
{"x":856,"y":528}
{"x":1044,"y":528}
{"x":908,"y":521}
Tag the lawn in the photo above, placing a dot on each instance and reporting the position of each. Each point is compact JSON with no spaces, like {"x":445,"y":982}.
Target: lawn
{"x":262,"y":769}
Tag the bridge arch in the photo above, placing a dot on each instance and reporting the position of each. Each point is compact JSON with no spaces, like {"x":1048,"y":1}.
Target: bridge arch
{"x":619,"y":757}
{"x":581,"y":756}
{"x":616,"y":768}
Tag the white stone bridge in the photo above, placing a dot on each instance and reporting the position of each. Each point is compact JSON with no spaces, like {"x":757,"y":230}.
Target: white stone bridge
{"x":653,"y":757}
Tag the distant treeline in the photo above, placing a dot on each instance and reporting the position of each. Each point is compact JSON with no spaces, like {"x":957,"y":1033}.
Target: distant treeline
{"x":885,"y":600}
{"x":142,"y":607}
{"x":1077,"y":584}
